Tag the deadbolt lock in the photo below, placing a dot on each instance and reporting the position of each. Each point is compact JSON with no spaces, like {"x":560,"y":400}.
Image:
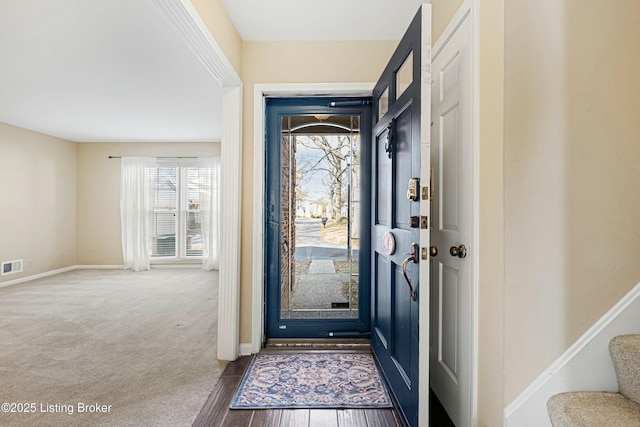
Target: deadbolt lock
{"x":413,"y":189}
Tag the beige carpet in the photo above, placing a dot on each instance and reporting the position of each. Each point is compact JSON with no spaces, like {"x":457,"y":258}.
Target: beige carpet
{"x":143,"y":343}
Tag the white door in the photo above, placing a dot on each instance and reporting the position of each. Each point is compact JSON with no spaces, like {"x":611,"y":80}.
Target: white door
{"x":451,"y":232}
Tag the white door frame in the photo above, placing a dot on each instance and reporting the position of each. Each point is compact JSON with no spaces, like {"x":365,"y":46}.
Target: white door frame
{"x":188,"y":24}
{"x":471,"y":8}
{"x":260,"y":91}
{"x":228,"y":347}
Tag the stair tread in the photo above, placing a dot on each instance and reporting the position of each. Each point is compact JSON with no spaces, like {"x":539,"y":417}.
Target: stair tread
{"x":593,"y":409}
{"x":625,"y":354}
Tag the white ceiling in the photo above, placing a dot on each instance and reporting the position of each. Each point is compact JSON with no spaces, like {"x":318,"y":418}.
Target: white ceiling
{"x":102,"y":70}
{"x":305,"y":20}
{"x":115,"y":70}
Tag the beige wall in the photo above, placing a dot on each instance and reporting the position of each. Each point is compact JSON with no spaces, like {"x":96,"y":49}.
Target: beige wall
{"x":293,"y":62}
{"x":441,"y":13}
{"x":98,"y":192}
{"x":76,"y":188}
{"x":38,"y":201}
{"x":572,"y":156}
{"x":216,"y":18}
{"x":491,"y":371}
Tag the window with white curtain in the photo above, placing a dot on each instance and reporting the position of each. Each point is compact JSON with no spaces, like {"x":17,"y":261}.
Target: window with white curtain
{"x":170,"y":210}
{"x":176,"y":226}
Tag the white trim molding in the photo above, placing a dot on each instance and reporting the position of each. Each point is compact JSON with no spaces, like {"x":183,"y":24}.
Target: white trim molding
{"x":39,"y":276}
{"x":424,"y":268}
{"x":474,"y":6}
{"x":260,"y":91}
{"x":89,"y":267}
{"x":231,"y":199}
{"x":102,"y":267}
{"x":245,"y":349}
{"x":188,"y":24}
{"x":585,"y":366}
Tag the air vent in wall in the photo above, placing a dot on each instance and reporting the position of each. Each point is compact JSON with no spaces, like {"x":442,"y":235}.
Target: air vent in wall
{"x":10,"y":267}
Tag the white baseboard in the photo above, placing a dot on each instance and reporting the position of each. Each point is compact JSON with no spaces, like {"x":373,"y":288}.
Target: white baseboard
{"x":83,"y":267}
{"x":160,"y":266}
{"x":37,"y":276}
{"x":98,"y":267}
{"x":245,"y":349}
{"x":585,"y":366}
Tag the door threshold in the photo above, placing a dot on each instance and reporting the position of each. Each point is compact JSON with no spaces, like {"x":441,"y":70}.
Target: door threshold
{"x":303,"y":344}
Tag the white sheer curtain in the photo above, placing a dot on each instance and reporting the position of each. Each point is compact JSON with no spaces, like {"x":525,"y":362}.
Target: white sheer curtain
{"x":209,"y":168}
{"x":137,"y":192}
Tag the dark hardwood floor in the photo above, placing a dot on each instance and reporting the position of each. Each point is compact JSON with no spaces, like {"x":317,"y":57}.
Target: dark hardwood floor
{"x":216,"y":412}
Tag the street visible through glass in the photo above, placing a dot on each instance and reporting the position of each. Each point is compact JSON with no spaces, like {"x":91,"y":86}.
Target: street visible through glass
{"x":320,"y":217}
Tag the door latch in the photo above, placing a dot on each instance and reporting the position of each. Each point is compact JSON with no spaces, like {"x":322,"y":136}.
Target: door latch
{"x":424,"y":222}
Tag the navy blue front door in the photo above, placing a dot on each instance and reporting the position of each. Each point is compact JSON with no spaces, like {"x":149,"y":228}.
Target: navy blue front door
{"x":395,"y":234}
{"x":317,"y":205}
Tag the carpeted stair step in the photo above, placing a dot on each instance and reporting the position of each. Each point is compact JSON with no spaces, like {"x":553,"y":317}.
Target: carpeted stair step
{"x":605,"y":409}
{"x":593,"y":409}
{"x":625,"y":353}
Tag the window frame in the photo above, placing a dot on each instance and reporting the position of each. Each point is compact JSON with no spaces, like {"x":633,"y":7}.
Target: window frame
{"x":180,"y":211}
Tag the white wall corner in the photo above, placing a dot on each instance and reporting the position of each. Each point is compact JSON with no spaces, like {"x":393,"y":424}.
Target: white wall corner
{"x":257,"y":279}
{"x":230,"y":195}
{"x":585,"y":366}
{"x":188,"y":24}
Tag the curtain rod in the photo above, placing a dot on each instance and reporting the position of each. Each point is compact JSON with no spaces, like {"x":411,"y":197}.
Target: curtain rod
{"x":169,"y":157}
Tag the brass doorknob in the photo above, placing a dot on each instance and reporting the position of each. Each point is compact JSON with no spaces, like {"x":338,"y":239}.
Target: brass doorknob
{"x":459,"y":251}
{"x":433,"y":251}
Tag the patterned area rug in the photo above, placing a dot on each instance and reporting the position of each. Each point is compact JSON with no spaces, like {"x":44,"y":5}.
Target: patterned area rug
{"x":312,"y":380}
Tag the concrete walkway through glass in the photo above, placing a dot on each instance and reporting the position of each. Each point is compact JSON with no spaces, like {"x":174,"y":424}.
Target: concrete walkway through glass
{"x":323,"y":292}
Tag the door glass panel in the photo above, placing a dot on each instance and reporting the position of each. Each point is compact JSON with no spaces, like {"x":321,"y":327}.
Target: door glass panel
{"x":320,"y":197}
{"x":383,"y":103}
{"x":404,"y":76}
